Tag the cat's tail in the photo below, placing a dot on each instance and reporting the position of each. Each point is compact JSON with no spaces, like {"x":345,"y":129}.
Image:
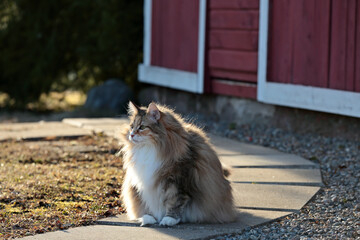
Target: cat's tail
{"x":226,"y":170}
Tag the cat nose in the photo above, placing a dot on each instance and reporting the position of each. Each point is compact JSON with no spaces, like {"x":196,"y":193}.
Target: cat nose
{"x":132,"y":135}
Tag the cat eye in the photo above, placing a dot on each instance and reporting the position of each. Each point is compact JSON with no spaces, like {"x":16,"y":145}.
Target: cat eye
{"x":142,"y":127}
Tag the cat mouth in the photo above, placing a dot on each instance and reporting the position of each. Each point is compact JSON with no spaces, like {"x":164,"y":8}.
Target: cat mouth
{"x":133,"y":140}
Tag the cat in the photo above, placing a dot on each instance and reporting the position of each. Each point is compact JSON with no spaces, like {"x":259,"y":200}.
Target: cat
{"x":172,"y":174}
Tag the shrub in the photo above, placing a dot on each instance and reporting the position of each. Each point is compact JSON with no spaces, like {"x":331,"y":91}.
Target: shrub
{"x":67,"y":43}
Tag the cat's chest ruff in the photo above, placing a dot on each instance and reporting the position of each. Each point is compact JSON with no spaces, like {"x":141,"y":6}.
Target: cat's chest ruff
{"x":145,"y":163}
{"x":142,"y":171}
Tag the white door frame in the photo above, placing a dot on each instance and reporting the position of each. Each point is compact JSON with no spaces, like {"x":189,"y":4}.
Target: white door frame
{"x":178,"y":79}
{"x":299,"y":96}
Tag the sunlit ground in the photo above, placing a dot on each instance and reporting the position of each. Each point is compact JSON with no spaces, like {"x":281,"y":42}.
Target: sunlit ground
{"x":53,"y":101}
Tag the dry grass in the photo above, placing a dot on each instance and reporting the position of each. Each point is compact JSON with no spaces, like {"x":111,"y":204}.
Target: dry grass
{"x":57,"y":183}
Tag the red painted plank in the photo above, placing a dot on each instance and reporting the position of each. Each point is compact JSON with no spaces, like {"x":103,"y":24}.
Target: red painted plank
{"x":232,"y":47}
{"x":234,"y":4}
{"x":234,"y":19}
{"x":174,"y":41}
{"x":342,"y":45}
{"x":338,"y":47}
{"x":311,"y":41}
{"x":357,"y":55}
{"x":234,"y":39}
{"x":233,"y":60}
{"x":233,"y":75}
{"x":234,"y":89}
{"x":298,"y":42}
{"x":350,"y":46}
{"x":279,"y":42}
{"x":207,"y":78}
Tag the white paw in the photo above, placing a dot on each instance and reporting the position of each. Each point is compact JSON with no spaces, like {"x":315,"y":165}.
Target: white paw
{"x":169,"y":221}
{"x":147,"y":220}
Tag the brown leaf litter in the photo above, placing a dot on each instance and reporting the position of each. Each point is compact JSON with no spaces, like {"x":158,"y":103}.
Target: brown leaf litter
{"x":54,"y":184}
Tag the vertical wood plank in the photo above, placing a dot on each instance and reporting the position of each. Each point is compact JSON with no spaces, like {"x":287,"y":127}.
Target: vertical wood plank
{"x":207,"y":75}
{"x":342,"y":45}
{"x":357,"y":55}
{"x":175,"y":34}
{"x":280,"y":41}
{"x":350,"y":46}
{"x":343,"y":58}
{"x":180,"y":42}
{"x":155,"y":31}
{"x":311,"y":41}
{"x":299,"y":42}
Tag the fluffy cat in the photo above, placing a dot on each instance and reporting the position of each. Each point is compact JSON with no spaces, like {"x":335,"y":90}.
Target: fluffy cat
{"x":172,"y":174}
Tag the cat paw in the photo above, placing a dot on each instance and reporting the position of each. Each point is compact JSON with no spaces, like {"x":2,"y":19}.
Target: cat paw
{"x":147,"y":220}
{"x":169,"y":221}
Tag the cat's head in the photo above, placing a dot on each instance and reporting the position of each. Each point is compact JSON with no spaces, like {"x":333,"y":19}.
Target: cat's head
{"x":144,"y":123}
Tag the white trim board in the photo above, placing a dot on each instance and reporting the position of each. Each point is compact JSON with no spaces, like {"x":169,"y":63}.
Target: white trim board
{"x":166,"y":77}
{"x":298,"y":96}
{"x":201,"y":46}
{"x":314,"y":98}
{"x":262,"y":52}
{"x":147,"y":31}
{"x":173,"y":78}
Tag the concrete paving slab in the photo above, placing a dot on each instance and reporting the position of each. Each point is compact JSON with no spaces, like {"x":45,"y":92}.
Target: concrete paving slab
{"x":120,"y":228}
{"x":272,"y":197}
{"x":225,"y":146}
{"x":276,"y":176}
{"x":109,"y":232}
{"x":109,"y":126}
{"x":246,"y":217}
{"x":109,"y":130}
{"x":281,"y":159}
{"x":253,"y":217}
{"x":122,"y":220}
{"x":80,"y":122}
{"x":39,"y":130}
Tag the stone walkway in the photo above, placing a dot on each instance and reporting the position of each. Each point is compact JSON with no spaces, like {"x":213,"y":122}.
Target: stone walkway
{"x":267,"y":184}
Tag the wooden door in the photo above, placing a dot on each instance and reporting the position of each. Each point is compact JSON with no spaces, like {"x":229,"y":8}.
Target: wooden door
{"x":175,"y":27}
{"x":174,"y":44}
{"x":344,"y":44}
{"x":309,"y":54}
{"x":313,"y":43}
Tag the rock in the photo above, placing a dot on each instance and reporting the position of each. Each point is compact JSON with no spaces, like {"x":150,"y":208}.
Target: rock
{"x":112,"y":96}
{"x":334,"y":198}
{"x":253,"y":237}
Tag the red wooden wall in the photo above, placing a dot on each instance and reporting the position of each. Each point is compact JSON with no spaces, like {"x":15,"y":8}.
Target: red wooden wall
{"x":232,"y":42}
{"x":345,"y":17}
{"x":315,"y":43}
{"x":174,"y":34}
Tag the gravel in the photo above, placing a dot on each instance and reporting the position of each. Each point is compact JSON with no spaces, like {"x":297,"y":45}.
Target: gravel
{"x":334,"y":213}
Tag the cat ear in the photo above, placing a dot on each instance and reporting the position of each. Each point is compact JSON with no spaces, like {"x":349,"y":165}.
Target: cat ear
{"x":132,"y":108}
{"x":153,"y":111}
